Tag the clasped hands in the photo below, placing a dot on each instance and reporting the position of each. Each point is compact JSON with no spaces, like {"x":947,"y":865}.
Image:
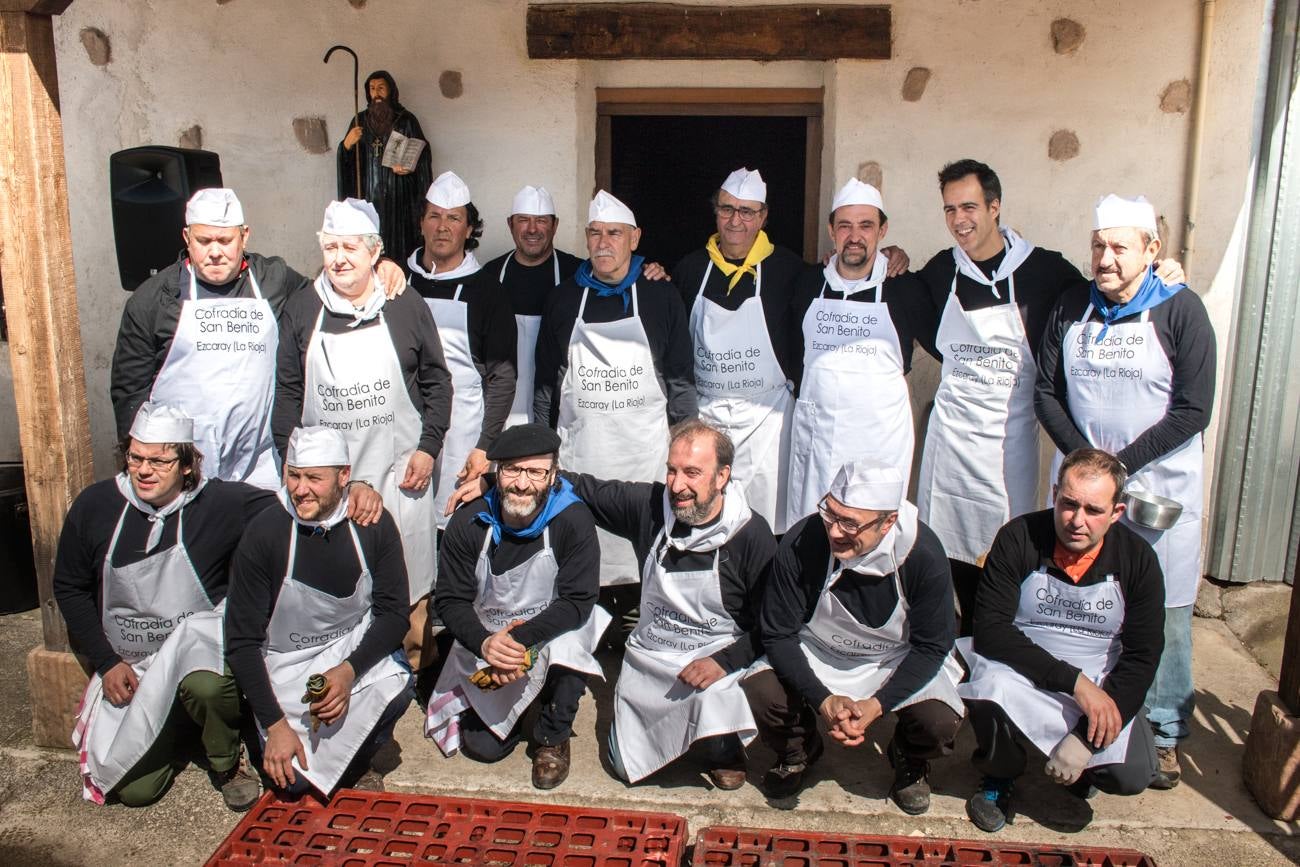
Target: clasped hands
{"x":847,"y":720}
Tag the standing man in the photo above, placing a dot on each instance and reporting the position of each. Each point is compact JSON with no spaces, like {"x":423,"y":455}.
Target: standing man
{"x":395,"y":192}
{"x":613,"y":367}
{"x":517,"y":588}
{"x":1067,"y":635}
{"x":857,"y":620}
{"x":1128,"y":366}
{"x":475,"y":326}
{"x":313,"y":594}
{"x":855,"y":342}
{"x":738,"y":290}
{"x":528,"y":273}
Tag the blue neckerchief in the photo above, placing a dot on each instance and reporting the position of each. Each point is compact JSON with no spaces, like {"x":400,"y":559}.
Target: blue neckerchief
{"x":560,"y":499}
{"x":585,"y":278}
{"x":1152,"y":292}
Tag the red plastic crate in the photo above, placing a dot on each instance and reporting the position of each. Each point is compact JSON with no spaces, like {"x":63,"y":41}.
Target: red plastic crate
{"x":370,"y":829}
{"x":724,"y":846}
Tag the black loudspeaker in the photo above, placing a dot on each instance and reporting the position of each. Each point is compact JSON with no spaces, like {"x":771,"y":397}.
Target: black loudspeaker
{"x":149,"y":186}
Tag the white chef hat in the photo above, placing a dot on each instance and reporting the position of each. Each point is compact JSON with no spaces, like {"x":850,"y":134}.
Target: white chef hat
{"x":317,"y":446}
{"x":448,"y":191}
{"x":215,"y":206}
{"x":855,"y":192}
{"x":533,"y":201}
{"x":744,"y":184}
{"x":869,"y":484}
{"x":1116,"y":211}
{"x":350,"y":217}
{"x":607,"y":209}
{"x":160,"y":423}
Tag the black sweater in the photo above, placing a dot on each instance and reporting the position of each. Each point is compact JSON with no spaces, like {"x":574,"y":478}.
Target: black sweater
{"x":528,"y":286}
{"x":635,"y":511}
{"x":415,"y":339}
{"x":214,"y":522}
{"x":149,"y":323}
{"x":1183,"y":329}
{"x":491,"y":326}
{"x":1019,"y":549}
{"x":667,"y":331}
{"x":794,"y":587}
{"x":577,"y":583}
{"x":326,"y":561}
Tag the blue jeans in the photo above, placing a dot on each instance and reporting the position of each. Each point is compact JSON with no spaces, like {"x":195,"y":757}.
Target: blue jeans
{"x":1172,"y":696}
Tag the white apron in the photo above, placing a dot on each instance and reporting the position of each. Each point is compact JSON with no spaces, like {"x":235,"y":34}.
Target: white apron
{"x":220,"y":371}
{"x":354,"y":383}
{"x":980,"y":465}
{"x":743,"y":392}
{"x":520,"y":593}
{"x":1117,"y":389}
{"x":613,"y":420}
{"x":310,"y":632}
{"x":853,"y":402}
{"x":144,"y":606}
{"x":526,"y":329}
{"x":658,"y":717}
{"x":450,"y":315}
{"x":1080,"y":625}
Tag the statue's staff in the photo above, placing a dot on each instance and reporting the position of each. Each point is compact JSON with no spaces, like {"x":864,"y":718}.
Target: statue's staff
{"x":356,"y":103}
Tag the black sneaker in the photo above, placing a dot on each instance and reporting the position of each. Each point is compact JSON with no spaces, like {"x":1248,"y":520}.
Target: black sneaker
{"x":989,"y":807}
{"x":1083,"y":788}
{"x":783,"y":780}
{"x":911,"y":789}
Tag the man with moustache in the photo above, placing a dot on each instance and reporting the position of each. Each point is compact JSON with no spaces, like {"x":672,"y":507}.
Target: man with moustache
{"x":517,"y":586}
{"x":395,"y":192}
{"x":528,"y":273}
{"x":313,"y":594}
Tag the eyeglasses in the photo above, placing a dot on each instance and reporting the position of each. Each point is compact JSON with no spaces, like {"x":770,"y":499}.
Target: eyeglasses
{"x":535,"y":474}
{"x":848,"y":526}
{"x":135,"y":461}
{"x":747,"y":215}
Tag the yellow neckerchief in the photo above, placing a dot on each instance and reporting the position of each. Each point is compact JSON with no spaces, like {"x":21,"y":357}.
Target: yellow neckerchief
{"x":761,"y":250}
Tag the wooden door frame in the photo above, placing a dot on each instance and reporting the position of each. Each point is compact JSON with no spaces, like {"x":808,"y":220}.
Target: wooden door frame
{"x":805,"y":102}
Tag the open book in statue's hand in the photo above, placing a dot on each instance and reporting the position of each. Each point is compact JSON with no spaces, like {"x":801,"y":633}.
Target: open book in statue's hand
{"x":402,"y":152}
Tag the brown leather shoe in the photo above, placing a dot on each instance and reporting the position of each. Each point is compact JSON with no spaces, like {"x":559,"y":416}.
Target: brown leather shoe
{"x":551,"y":765}
{"x":727,"y":779}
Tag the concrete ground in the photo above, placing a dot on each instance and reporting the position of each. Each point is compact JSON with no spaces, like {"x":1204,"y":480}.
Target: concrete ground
{"x":1208,"y":819}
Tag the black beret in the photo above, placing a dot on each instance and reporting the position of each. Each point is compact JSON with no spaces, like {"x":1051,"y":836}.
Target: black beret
{"x":524,"y":441}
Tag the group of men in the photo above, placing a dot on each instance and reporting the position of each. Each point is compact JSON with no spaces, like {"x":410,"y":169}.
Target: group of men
{"x":780,"y":572}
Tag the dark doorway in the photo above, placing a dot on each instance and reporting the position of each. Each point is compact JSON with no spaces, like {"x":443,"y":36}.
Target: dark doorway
{"x":664,"y":152}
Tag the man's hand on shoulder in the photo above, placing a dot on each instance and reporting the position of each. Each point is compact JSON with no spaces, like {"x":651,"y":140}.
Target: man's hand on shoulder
{"x":365,"y":505}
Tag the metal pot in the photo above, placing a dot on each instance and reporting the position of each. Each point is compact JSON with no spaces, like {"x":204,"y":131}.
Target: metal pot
{"x":1152,"y":510}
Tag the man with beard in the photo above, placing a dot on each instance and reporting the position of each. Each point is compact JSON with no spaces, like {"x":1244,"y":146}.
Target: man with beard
{"x":395,"y":192}
{"x":528,"y":273}
{"x":517,"y":585}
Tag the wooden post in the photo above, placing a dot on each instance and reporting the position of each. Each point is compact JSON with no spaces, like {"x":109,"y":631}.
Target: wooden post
{"x":44,"y":337}
{"x":1288,"y":683}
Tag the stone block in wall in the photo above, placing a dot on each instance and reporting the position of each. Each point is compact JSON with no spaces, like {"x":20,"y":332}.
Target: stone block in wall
{"x":311,"y":134}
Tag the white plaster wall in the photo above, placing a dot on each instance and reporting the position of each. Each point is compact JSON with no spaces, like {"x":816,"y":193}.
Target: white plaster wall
{"x":244,"y":70}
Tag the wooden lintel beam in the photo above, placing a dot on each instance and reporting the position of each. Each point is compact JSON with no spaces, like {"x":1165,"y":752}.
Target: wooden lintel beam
{"x":672,"y":31}
{"x":36,"y":7}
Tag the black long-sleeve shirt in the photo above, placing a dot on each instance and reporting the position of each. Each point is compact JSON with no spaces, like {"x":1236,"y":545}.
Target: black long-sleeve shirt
{"x":1185,"y":334}
{"x":151,"y":314}
{"x":1040,"y":281}
{"x":635,"y":511}
{"x":528,"y":286}
{"x":214,"y":521}
{"x":667,"y":331}
{"x":577,"y":583}
{"x":326,"y":561}
{"x":490,"y":323}
{"x":1019,"y":549}
{"x":415,"y":339}
{"x":781,"y":272}
{"x":794,"y":587}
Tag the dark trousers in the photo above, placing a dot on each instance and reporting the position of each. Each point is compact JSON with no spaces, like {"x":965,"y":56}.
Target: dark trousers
{"x":787,"y":724}
{"x":965,"y":581}
{"x":557,"y":707}
{"x":1000,"y":752}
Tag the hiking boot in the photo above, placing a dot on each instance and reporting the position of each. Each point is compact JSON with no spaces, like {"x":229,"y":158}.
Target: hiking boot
{"x":370,"y":781}
{"x":240,"y":786}
{"x":911,"y":789}
{"x":1169,"y":770}
{"x":989,"y":808}
{"x":729,"y":777}
{"x":783,"y":780}
{"x":551,"y":765}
